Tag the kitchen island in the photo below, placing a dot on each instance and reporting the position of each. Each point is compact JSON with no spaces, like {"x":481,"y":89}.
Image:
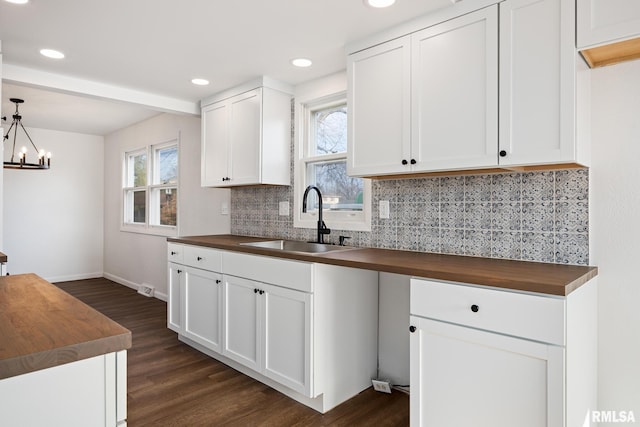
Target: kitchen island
{"x":61,"y":361}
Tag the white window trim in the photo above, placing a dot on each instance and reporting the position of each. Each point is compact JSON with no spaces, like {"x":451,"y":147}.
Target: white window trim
{"x":148,"y":227}
{"x":334,"y":220}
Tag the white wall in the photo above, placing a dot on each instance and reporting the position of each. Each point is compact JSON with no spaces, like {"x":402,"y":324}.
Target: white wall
{"x":53,"y":219}
{"x":615,"y":236}
{"x":133,"y":259}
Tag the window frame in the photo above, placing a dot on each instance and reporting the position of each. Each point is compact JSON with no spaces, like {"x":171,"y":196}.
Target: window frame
{"x":340,"y":220}
{"x":152,"y":189}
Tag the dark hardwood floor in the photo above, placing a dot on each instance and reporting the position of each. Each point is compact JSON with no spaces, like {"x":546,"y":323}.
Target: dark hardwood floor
{"x":171,"y":384}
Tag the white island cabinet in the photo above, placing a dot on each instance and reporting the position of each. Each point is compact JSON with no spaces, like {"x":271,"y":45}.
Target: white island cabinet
{"x":86,"y":393}
{"x":308,"y":330}
{"x":62,"y":363}
{"x":486,"y":357}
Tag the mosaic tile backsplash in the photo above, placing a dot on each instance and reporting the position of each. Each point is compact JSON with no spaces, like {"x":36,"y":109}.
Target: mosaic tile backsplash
{"x":533,"y":216}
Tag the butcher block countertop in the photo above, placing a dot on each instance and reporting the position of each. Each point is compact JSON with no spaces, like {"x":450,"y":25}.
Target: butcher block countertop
{"x":552,"y":279}
{"x":41,"y":326}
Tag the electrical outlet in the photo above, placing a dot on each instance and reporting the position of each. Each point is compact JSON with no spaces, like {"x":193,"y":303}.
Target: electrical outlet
{"x":381,"y":386}
{"x":224,"y":208}
{"x":384,"y":209}
{"x":146,"y":290}
{"x":283,"y":208}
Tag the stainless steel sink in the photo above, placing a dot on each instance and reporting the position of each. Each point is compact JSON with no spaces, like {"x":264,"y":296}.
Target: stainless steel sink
{"x":296,"y":246}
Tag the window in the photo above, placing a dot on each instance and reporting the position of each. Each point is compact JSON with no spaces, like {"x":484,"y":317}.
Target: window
{"x":322,"y":153}
{"x":150,"y":190}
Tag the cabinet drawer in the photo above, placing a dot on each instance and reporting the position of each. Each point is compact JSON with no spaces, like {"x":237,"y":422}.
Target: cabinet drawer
{"x":282,"y":272}
{"x":534,"y":317}
{"x":201,"y":257}
{"x":175,"y":252}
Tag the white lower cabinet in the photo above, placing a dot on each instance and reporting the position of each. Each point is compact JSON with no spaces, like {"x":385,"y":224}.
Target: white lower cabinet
{"x":486,"y":357}
{"x":174,"y":300}
{"x":463,"y":376}
{"x":202,"y":304}
{"x":195,"y":304}
{"x":242,"y":337}
{"x":308,"y":330}
{"x":268,"y":329}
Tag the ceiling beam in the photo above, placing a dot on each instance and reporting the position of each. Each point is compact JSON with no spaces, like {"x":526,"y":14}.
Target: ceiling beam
{"x":75,"y":86}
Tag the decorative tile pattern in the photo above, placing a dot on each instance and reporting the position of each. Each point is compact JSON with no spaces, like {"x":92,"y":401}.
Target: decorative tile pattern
{"x":534,"y":216}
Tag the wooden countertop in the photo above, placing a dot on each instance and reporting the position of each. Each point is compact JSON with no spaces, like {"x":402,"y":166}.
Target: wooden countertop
{"x":41,"y":326}
{"x":552,"y":279}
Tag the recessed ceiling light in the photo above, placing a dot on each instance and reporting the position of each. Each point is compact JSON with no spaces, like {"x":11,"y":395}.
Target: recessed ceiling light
{"x":18,"y":1}
{"x":200,"y":82}
{"x":50,"y":53}
{"x":301,"y":62}
{"x":379,"y":3}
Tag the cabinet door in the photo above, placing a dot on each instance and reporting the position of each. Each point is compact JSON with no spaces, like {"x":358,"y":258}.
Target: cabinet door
{"x":606,"y":21}
{"x":174,"y":303}
{"x":241,"y":321}
{"x":467,"y":377}
{"x":379,"y":102}
{"x":287,"y":337}
{"x":215,"y":140}
{"x":245,"y":143}
{"x":537,"y":82}
{"x":455,"y":93}
{"x":202,"y":296}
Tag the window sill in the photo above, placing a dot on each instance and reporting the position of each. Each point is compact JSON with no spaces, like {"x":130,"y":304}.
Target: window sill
{"x":161,"y":231}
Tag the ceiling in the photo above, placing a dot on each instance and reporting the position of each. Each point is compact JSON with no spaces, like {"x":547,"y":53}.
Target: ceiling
{"x":155,"y":47}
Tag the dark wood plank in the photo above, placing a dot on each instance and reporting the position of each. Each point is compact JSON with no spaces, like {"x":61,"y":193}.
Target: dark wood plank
{"x":42,"y":327}
{"x":171,"y":384}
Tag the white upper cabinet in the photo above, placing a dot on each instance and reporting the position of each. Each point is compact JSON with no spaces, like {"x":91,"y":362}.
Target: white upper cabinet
{"x":541,"y":82}
{"x":246,"y":138}
{"x":607,"y":21}
{"x":455,"y":93}
{"x":379,"y":99}
{"x":500,"y":86}
{"x":426,"y":101}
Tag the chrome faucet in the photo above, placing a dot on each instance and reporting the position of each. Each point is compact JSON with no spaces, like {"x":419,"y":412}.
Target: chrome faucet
{"x":322,"y":227}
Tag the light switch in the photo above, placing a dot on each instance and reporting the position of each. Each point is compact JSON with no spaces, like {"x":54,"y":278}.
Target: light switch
{"x":224,"y":208}
{"x":384,"y":209}
{"x":283,"y":208}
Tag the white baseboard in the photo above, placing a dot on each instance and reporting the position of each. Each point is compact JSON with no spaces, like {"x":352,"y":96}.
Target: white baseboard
{"x":161,"y":296}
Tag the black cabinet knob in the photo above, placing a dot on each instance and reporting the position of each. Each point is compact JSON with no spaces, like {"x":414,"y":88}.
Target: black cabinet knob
{"x":199,"y":258}
{"x":412,"y":329}
{"x":218,"y":281}
{"x":255,"y":291}
{"x":261,"y":292}
{"x":413,"y":161}
{"x":404,"y":161}
{"x":475,"y":308}
{"x":179,"y":271}
{"x":503,"y":153}
{"x":174,"y":253}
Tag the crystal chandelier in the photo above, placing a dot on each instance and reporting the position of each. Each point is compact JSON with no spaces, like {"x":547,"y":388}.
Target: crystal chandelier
{"x":44,"y":159}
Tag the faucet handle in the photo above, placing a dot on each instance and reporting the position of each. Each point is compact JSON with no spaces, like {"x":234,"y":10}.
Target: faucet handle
{"x":341,"y":240}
